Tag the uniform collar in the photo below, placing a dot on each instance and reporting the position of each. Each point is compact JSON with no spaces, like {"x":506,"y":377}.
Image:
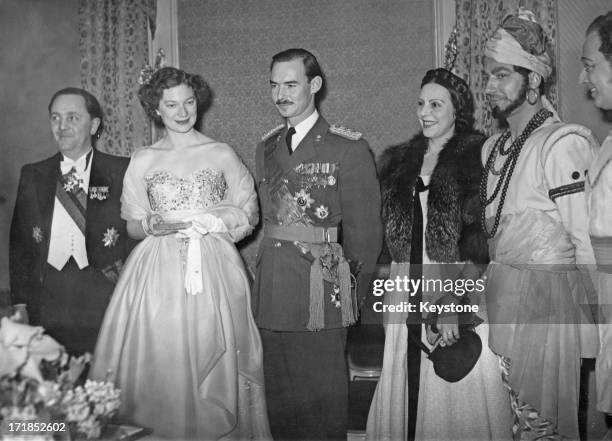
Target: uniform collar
{"x":302,"y":129}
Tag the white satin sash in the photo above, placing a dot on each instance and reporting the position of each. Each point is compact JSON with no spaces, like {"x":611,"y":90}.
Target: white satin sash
{"x":202,"y":223}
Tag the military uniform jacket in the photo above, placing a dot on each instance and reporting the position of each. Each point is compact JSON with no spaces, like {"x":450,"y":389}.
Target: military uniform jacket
{"x":332,"y":178}
{"x":106,"y":237}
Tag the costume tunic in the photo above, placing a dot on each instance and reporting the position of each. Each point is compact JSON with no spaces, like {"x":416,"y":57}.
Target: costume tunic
{"x":600,"y":229}
{"x":536,"y":296}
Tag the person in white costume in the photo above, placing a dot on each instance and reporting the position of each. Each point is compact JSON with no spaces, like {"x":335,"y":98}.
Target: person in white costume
{"x":534,"y":212}
{"x":597,"y":76}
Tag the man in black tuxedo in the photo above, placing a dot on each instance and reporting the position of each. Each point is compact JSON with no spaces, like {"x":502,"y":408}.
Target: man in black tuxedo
{"x":67,"y":240}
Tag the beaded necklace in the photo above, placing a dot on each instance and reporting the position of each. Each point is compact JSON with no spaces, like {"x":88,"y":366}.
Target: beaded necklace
{"x":507,"y":169}
{"x":499,"y":146}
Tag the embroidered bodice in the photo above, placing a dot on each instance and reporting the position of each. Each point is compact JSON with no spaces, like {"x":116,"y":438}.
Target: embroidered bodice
{"x":199,"y":190}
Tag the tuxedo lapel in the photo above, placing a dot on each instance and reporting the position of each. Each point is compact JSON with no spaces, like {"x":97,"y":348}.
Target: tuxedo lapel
{"x":47,"y":176}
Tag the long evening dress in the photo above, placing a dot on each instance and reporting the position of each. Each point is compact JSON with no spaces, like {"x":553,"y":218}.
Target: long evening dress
{"x":474,"y":408}
{"x":178,"y":337}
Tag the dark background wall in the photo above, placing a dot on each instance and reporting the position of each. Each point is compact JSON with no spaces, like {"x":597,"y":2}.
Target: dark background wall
{"x":373,"y":52}
{"x":39,"y":54}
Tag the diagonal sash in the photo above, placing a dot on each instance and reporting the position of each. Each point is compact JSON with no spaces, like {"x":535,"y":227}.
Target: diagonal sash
{"x":74,"y":201}
{"x":273,"y":171}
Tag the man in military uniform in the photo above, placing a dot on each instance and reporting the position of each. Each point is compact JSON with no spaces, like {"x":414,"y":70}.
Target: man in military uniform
{"x":320,"y":201}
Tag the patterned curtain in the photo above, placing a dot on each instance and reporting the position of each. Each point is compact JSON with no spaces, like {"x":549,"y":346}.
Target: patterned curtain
{"x":114,"y":48}
{"x":476,"y":22}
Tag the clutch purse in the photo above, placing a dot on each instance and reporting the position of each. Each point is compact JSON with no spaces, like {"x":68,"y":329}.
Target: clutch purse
{"x":453,"y":363}
{"x":172,"y":226}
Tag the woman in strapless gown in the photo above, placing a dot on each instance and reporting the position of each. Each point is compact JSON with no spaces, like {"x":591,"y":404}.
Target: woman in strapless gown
{"x":178,"y":337}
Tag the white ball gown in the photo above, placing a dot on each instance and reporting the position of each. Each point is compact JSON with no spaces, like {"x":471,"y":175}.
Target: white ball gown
{"x":475,"y":408}
{"x":178,"y":337}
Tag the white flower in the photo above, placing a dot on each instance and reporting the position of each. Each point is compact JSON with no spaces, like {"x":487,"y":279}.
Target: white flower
{"x":49,"y":392}
{"x":23,"y":347}
{"x":90,"y":427}
{"x":15,"y":413}
{"x":77,"y":412}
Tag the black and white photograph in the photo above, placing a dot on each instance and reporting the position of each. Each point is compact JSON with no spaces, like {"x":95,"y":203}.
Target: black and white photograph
{"x":350,"y":220}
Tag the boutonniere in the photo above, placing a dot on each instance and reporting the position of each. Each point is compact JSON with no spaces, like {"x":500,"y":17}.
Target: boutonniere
{"x":99,"y":193}
{"x":37,"y":234}
{"x":110,"y":237}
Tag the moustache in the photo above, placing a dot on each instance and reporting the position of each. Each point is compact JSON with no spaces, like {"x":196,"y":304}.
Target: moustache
{"x":279,"y":102}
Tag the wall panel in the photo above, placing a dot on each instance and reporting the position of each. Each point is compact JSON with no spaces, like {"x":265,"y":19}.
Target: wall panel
{"x":39,"y":54}
{"x":374,"y":54}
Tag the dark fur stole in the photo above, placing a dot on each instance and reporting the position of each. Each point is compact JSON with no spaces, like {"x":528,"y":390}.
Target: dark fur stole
{"x":453,"y":210}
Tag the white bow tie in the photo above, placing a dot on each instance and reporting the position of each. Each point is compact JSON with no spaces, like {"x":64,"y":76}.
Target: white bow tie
{"x":79,"y":165}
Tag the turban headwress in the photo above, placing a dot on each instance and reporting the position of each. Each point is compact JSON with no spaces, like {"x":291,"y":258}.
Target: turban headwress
{"x":504,"y":48}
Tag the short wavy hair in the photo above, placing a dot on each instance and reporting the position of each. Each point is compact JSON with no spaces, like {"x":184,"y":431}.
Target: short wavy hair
{"x":92,"y":105}
{"x":460,"y":93}
{"x":151,"y":92}
{"x":603,"y":26}
{"x":312,"y":68}
{"x":311,"y":65}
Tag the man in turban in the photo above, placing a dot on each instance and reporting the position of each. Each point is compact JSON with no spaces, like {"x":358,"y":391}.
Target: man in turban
{"x":535,"y":216}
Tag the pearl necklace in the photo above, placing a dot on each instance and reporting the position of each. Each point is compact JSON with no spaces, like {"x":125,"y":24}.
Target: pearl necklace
{"x":499,"y":145}
{"x":505,"y":174}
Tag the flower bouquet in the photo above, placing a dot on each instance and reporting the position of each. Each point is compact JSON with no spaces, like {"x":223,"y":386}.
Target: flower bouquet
{"x":41,"y":391}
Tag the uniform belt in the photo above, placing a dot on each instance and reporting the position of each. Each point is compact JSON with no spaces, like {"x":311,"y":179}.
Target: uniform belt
{"x":302,"y":234}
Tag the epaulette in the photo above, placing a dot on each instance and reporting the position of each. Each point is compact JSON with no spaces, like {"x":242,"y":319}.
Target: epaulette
{"x":275,"y":130}
{"x":345,"y":132}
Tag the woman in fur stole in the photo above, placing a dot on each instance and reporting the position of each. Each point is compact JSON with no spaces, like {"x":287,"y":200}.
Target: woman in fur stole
{"x":442,"y":166}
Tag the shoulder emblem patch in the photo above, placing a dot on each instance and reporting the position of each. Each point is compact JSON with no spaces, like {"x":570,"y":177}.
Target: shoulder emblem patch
{"x":272,"y":132}
{"x":345,"y":132}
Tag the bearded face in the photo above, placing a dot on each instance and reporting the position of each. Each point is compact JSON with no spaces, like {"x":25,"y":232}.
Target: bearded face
{"x":506,"y":88}
{"x":501,"y":110}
